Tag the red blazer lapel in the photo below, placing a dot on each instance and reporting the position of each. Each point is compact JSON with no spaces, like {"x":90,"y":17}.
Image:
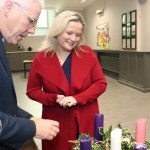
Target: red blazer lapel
{"x":81,"y":66}
{"x":51,"y":70}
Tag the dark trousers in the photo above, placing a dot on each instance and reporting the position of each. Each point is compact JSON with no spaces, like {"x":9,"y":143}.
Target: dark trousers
{"x":29,"y":145}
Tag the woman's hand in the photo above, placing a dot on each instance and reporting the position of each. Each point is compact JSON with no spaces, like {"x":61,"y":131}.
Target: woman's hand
{"x":66,"y":101}
{"x":59,"y":98}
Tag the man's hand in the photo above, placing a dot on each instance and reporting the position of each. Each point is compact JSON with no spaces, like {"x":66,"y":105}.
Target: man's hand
{"x":45,"y":129}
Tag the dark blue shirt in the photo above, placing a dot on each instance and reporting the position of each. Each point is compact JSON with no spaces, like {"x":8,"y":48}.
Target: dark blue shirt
{"x":67,"y":67}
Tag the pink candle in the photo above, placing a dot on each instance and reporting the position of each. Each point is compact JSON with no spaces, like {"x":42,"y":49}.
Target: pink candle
{"x":140,"y":130}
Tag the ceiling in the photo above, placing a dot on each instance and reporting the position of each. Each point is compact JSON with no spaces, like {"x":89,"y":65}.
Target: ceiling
{"x":67,"y":4}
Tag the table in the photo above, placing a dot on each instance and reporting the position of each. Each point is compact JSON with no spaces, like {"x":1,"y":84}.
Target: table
{"x":25,"y":62}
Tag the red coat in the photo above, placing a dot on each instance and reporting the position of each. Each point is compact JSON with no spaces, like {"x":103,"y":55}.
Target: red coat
{"x":47,"y":79}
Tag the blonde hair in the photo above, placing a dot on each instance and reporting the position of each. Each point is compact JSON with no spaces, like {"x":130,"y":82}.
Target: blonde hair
{"x":59,"y":25}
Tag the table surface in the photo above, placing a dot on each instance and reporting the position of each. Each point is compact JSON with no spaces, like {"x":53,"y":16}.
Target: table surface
{"x":27,"y":61}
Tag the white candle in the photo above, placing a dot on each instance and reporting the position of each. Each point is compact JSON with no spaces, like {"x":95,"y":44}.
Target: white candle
{"x":116,"y":137}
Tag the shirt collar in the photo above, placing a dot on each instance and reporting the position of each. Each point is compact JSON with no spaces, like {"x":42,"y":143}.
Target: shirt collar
{"x":1,"y":37}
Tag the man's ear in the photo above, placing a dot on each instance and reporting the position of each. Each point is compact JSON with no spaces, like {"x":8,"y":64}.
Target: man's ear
{"x":7,"y":6}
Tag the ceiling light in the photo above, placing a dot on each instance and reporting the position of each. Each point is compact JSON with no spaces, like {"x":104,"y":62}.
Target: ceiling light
{"x":82,"y":1}
{"x":99,"y":11}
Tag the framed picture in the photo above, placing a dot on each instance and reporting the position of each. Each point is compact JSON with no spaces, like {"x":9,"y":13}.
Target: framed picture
{"x":124,"y":18}
{"x":124,"y":31}
{"x":128,"y":43}
{"x":133,"y":43}
{"x":133,"y":30}
{"x":124,"y":43}
{"x":129,"y":30}
{"x":133,"y":16}
{"x":103,"y":35}
{"x":128,"y":17}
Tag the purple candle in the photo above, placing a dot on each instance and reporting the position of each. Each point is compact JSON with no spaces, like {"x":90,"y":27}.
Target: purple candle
{"x":140,"y":146}
{"x":85,"y":143}
{"x":98,"y":122}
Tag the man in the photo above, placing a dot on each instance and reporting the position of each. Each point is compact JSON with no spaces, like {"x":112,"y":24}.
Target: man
{"x":17,"y":20}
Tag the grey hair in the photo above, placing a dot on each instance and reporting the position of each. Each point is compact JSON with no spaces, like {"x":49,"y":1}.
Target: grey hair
{"x":59,"y":25}
{"x":1,"y":3}
{"x":23,"y":2}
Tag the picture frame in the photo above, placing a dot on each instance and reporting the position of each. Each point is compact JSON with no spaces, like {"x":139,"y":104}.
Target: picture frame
{"x":133,"y":15}
{"x":133,"y":43}
{"x":133,"y":30}
{"x":103,"y":35}
{"x":124,"y":18}
{"x":124,"y":43}
{"x":128,"y":17}
{"x":128,"y":43}
{"x":129,"y":30}
{"x":124,"y":33}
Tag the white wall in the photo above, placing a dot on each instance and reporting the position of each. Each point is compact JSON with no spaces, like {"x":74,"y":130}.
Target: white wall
{"x":32,"y":41}
{"x":145,"y":24}
{"x":113,"y":9}
{"x":51,"y":16}
{"x":35,"y":40}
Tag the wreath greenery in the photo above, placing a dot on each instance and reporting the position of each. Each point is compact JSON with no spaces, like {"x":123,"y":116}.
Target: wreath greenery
{"x":127,"y":143}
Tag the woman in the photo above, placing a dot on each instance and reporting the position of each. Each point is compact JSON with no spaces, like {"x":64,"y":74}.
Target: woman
{"x":67,"y":79}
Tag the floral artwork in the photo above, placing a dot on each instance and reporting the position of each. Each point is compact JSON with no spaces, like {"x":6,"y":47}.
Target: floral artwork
{"x":103,"y":35}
